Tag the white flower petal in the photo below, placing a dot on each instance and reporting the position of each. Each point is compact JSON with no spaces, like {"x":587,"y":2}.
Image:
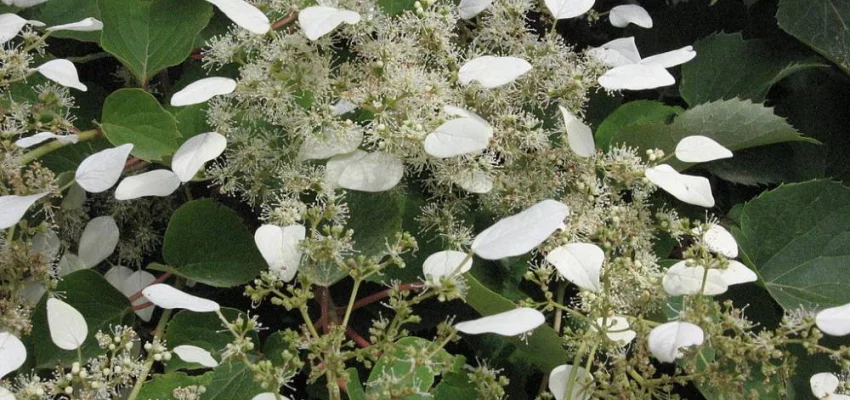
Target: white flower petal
{"x":520,"y":233}
{"x":492,"y":71}
{"x":697,"y":149}
{"x":13,"y":208}
{"x":70,"y":263}
{"x":243,"y":14}
{"x":46,"y":243}
{"x":834,"y":321}
{"x":194,"y":354}
{"x":68,"y":328}
{"x":117,"y":275}
{"x":471,"y":8}
{"x":99,"y":240}
{"x":690,"y":189}
{"x":41,"y":137}
{"x":617,"y":329}
{"x":666,"y":340}
{"x":559,"y":379}
{"x":85,"y":25}
{"x":33,"y":291}
{"x":508,"y":323}
{"x":62,"y":72}
{"x":617,"y":52}
{"x":10,"y":25}
{"x":24,"y":4}
{"x":130,"y":282}
{"x":160,"y":182}
{"x":681,"y":279}
{"x":318,"y":21}
{"x":671,"y":58}
{"x":375,"y":172}
{"x":579,"y":263}
{"x":823,"y":385}
{"x":338,"y":163}
{"x":473,"y":181}
{"x":279,"y":247}
{"x":100,"y":171}
{"x":5,"y":394}
{"x":343,"y":107}
{"x":13,"y":353}
{"x":720,"y":241}
{"x":737,"y":273}
{"x":622,"y":16}
{"x":195,"y":152}
{"x":636,"y":77}
{"x":202,"y":90}
{"x":458,"y":136}
{"x":327,"y":144}
{"x":170,"y":298}
{"x":446,"y":263}
{"x":562,"y":9}
{"x":579,"y":135}
{"x":269,"y":396}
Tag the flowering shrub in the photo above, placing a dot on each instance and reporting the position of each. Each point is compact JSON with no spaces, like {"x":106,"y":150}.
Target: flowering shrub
{"x":385,"y":199}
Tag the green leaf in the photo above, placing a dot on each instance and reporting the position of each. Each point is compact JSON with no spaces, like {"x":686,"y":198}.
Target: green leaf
{"x":192,"y":120}
{"x":101,"y":305}
{"x":455,"y":386}
{"x":398,"y":364}
{"x":149,"y":36}
{"x":203,"y":330}
{"x":823,"y":25}
{"x":207,"y":242}
{"x":797,"y":237}
{"x":135,"y":116}
{"x":232,"y":380}
{"x":634,"y":112}
{"x":736,"y":124}
{"x":162,"y":386}
{"x":395,"y":7}
{"x":727,"y":66}
{"x":353,"y":385}
{"x":66,"y":11}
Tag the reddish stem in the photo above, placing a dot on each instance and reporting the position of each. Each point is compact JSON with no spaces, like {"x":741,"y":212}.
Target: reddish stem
{"x":281,"y":23}
{"x":161,"y":279}
{"x":383,"y":294}
{"x":142,"y":306}
{"x":360,"y":340}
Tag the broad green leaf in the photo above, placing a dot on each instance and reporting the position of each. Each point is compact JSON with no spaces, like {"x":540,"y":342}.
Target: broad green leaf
{"x":455,"y":386}
{"x":101,"y":305}
{"x":149,"y":36}
{"x":191,"y":120}
{"x":208,"y":243}
{"x":823,"y":25}
{"x":727,"y":66}
{"x":398,"y":364}
{"x":203,"y":330}
{"x":736,"y":124}
{"x":634,"y":112}
{"x":353,"y":385}
{"x":395,"y":7}
{"x":797,"y":238}
{"x":162,"y":386}
{"x":135,"y":116}
{"x":232,"y":380}
{"x":66,"y":11}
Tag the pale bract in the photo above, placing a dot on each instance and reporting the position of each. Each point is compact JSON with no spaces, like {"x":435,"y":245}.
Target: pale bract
{"x":579,"y":263}
{"x":720,"y":241}
{"x":491,"y":71}
{"x":318,"y":21}
{"x":617,"y":329}
{"x":373,"y":172}
{"x":279,"y":246}
{"x":671,"y":58}
{"x":698,"y":149}
{"x":243,"y":14}
{"x":622,"y":16}
{"x":23,"y":3}
{"x":520,"y":233}
{"x":98,"y":241}
{"x":562,"y":9}
{"x":338,"y":163}
{"x":41,"y":137}
{"x":13,"y":353}
{"x":84,"y":25}
{"x":46,"y":243}
{"x":130,"y":282}
{"x":5,"y":394}
{"x":690,"y":189}
{"x":666,"y":341}
{"x":446,"y":263}
{"x":159,"y":183}
{"x":458,"y":136}
{"x":269,"y":396}
{"x":13,"y":207}
{"x":630,"y":72}
{"x":636,"y":77}
{"x":508,"y":323}
{"x":62,"y":72}
{"x":682,"y":279}
{"x":834,"y":321}
{"x":170,"y":298}
{"x":11,"y":24}
{"x":824,"y":385}
{"x":195,"y":152}
{"x":68,"y":328}
{"x":737,"y":273}
{"x":194,"y":354}
{"x":70,"y":263}
{"x":579,"y":135}
{"x":471,"y":8}
{"x":474,"y":181}
{"x":617,"y":52}
{"x":202,"y":90}
{"x":559,"y":379}
{"x":100,"y":171}
{"x":327,"y":144}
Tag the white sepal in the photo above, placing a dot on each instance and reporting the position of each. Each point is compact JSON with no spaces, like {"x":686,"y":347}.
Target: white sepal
{"x":243,"y":14}
{"x":62,"y":72}
{"x":474,"y":181}
{"x":834,"y":321}
{"x":508,"y":323}
{"x":667,"y":340}
{"x":69,"y":263}
{"x":622,"y":16}
{"x":737,"y":273}
{"x":446,"y":263}
{"x":170,"y":298}
{"x":579,"y":263}
{"x":68,"y":328}
{"x":492,"y":71}
{"x":11,"y":24}
{"x":46,"y":243}
{"x":160,"y":182}
{"x":681,"y":279}
{"x":195,"y":354}
{"x":269,"y":396}
{"x":720,"y":241}
{"x":318,"y":21}
{"x":98,"y":241}
{"x":374,"y":172}
{"x":327,"y":144}
{"x":279,"y":247}
{"x":130,"y":282}
{"x":13,"y":353}
{"x":13,"y":207}
{"x":579,"y":135}
{"x":698,"y":149}
{"x":617,"y":329}
{"x":560,"y":377}
{"x":520,"y":233}
{"x":202,"y":90}
{"x":690,"y":189}
{"x":671,"y":58}
{"x":458,"y":136}
{"x":471,"y":8}
{"x":636,"y":77}
{"x":85,"y":25}
{"x":40,"y":137}
{"x":24,"y":4}
{"x":824,"y":385}
{"x":338,"y":163}
{"x":195,"y":152}
{"x":100,"y":171}
{"x":617,"y":52}
{"x":562,"y":9}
